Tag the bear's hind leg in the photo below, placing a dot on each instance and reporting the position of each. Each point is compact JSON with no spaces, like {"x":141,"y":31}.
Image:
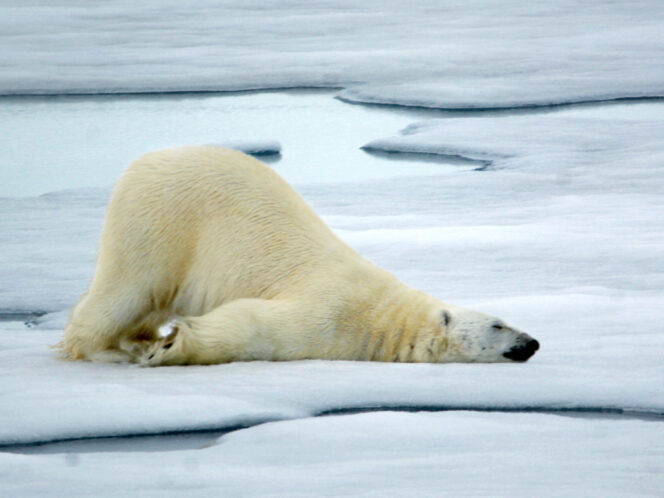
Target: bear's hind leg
{"x":98,"y":324}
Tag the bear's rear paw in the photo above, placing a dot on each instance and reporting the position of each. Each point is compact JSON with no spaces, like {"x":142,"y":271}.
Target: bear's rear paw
{"x":160,"y":352}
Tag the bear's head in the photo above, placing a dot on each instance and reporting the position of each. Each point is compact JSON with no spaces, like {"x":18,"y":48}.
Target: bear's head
{"x":477,"y":337}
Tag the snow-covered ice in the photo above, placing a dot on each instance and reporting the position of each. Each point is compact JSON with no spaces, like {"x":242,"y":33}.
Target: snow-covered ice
{"x":382,"y":454}
{"x":481,"y":53}
{"x":552,"y":220}
{"x":86,"y":399}
{"x":535,"y":240}
{"x":556,"y":236}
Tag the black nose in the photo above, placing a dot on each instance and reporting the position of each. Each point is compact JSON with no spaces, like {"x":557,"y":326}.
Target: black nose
{"x":522,"y":352}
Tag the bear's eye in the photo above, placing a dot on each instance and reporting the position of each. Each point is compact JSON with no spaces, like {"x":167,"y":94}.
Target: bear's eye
{"x":497,"y":326}
{"x":446,"y":318}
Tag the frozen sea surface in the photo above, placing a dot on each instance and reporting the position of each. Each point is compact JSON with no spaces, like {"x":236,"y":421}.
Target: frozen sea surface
{"x":383,"y":454}
{"x":534,"y":238}
{"x":551,"y":220}
{"x":454,"y":54}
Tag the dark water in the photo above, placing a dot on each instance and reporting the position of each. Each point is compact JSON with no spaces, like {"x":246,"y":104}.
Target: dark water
{"x":155,"y":442}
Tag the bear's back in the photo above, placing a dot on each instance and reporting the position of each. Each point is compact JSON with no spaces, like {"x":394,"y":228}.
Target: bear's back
{"x":211,"y":214}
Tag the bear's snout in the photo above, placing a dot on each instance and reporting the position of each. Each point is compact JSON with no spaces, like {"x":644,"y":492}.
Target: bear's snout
{"x":523,"y":351}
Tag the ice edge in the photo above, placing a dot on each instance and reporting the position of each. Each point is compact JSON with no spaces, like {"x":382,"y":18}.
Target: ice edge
{"x":590,"y":411}
{"x":498,"y":107}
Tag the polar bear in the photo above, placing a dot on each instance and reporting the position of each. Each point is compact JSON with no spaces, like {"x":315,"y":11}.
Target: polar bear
{"x":208,"y":256}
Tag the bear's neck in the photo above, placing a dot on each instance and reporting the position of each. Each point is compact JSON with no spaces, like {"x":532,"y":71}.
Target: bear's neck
{"x":398,"y":323}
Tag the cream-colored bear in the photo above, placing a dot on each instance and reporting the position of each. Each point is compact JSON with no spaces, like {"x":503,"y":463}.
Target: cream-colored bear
{"x":208,"y":256}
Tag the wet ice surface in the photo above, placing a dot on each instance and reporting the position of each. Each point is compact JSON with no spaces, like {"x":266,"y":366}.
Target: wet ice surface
{"x":85,"y":142}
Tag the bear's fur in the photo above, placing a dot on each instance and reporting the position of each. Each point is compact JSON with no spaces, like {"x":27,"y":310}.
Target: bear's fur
{"x":208,"y":256}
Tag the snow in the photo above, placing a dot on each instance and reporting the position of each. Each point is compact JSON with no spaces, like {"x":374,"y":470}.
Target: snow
{"x":588,"y":362}
{"x":382,"y":454}
{"x":455,"y":54}
{"x":608,"y":136}
{"x":549,"y":218}
{"x":576,"y":194}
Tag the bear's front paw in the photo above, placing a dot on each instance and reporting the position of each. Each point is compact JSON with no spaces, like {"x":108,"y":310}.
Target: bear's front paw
{"x":160,"y":352}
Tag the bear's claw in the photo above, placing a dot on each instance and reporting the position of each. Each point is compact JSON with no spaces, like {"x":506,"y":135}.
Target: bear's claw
{"x":156,"y":352}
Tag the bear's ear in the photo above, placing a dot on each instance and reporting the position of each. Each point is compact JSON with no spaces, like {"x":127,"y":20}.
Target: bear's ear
{"x":445,"y":318}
